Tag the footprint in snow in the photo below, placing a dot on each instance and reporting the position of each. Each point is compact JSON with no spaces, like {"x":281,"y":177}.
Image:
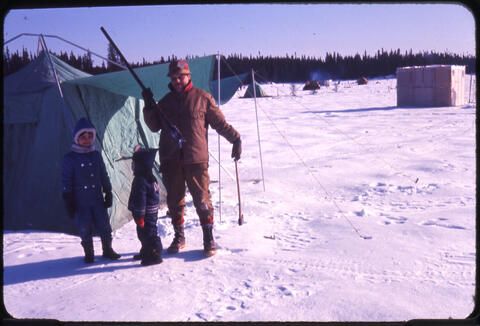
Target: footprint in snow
{"x":441,"y":223}
{"x":286,"y":291}
{"x":362,"y":213}
{"x":397,"y":220}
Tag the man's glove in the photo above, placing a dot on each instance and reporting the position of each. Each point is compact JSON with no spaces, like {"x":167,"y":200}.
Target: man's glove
{"x":140,"y":222}
{"x":69,"y":204}
{"x":108,"y":199}
{"x":237,"y":149}
{"x":148,"y":98}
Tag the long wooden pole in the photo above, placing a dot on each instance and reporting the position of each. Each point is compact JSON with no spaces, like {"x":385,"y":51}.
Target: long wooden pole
{"x":174,"y":131}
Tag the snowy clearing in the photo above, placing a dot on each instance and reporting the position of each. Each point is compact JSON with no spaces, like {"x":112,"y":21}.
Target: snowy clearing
{"x":368,"y":214}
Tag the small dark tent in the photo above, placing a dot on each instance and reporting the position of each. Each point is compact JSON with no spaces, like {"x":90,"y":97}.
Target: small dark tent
{"x":39,"y":119}
{"x":362,"y":81}
{"x":311,"y":85}
{"x":259,"y":92}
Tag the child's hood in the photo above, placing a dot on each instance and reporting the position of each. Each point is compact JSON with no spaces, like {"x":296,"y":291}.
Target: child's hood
{"x":144,"y":158}
{"x":82,"y":126}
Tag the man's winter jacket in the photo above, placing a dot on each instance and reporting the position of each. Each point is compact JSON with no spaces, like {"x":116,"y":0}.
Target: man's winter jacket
{"x":192,"y":111}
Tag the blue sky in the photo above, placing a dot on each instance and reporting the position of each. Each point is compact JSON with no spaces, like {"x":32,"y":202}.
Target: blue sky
{"x":270,"y":29}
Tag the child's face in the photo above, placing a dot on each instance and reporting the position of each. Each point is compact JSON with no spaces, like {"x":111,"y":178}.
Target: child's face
{"x":85,"y":139}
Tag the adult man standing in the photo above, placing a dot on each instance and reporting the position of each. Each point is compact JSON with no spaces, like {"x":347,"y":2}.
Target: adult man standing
{"x":192,"y":110}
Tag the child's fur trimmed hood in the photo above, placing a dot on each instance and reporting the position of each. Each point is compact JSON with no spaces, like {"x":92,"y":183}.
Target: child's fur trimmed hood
{"x":83,"y":126}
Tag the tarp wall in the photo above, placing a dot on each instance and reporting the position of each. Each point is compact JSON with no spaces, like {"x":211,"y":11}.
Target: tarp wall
{"x":228,"y":87}
{"x":115,"y":119}
{"x":155,"y":77}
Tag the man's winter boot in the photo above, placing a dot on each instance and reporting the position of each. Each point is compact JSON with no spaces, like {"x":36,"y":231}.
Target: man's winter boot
{"x":152,"y":258}
{"x":209,"y":248}
{"x":88,"y":249}
{"x":178,"y":241}
{"x":108,"y":250}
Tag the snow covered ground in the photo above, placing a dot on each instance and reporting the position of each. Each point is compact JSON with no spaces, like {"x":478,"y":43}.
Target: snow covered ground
{"x":368,"y":214}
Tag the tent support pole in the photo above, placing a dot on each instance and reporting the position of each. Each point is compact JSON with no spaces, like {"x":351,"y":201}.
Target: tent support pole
{"x":218,"y":137}
{"x":258,"y":129}
{"x":71,"y":43}
{"x":470,"y":88}
{"x":44,"y":46}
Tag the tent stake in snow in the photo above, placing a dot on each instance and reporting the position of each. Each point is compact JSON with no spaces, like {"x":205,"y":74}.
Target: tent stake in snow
{"x":240,"y":214}
{"x":174,"y":132}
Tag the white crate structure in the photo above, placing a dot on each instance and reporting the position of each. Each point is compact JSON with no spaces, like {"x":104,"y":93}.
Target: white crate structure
{"x":435,"y":85}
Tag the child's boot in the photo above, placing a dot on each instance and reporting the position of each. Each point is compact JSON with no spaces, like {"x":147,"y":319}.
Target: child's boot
{"x":108,"y":251}
{"x":88,"y":249}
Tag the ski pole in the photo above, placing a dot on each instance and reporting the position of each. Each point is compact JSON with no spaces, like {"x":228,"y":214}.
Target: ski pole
{"x":174,"y":132}
{"x":240,"y":214}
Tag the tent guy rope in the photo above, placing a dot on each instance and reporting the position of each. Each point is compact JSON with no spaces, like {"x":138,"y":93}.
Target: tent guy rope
{"x":412,"y":179}
{"x":361,"y":235}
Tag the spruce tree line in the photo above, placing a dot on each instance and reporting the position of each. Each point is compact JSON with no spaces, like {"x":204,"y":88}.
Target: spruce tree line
{"x":279,"y":69}
{"x":337,"y":67}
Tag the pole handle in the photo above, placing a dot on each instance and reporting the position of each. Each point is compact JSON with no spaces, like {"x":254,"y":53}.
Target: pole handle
{"x":123,"y":58}
{"x":174,"y":131}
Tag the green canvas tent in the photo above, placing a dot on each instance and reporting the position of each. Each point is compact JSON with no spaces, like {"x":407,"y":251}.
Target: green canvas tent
{"x":38,"y":124}
{"x":259,"y":92}
{"x":227,"y":85}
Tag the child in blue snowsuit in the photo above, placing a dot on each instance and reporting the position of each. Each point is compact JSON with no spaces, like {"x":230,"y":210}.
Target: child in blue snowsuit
{"x":84,"y":177}
{"x":143,"y":203}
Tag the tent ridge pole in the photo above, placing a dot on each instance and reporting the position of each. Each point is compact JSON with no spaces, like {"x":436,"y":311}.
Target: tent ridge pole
{"x":67,"y":41}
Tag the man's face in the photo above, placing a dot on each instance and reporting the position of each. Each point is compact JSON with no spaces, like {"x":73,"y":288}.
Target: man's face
{"x":179,"y":81}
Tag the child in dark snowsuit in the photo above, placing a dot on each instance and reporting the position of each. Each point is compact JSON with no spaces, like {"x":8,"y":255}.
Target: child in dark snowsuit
{"x":143,"y":203}
{"x":84,"y":177}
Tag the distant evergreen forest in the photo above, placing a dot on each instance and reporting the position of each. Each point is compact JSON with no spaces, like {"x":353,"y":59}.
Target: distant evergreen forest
{"x":288,"y":68}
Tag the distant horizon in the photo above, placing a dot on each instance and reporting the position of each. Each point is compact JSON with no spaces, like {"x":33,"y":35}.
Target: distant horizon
{"x":256,"y":56}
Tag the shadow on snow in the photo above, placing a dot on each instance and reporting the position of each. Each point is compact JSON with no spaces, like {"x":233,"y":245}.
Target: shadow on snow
{"x":62,"y":267}
{"x":74,"y":266}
